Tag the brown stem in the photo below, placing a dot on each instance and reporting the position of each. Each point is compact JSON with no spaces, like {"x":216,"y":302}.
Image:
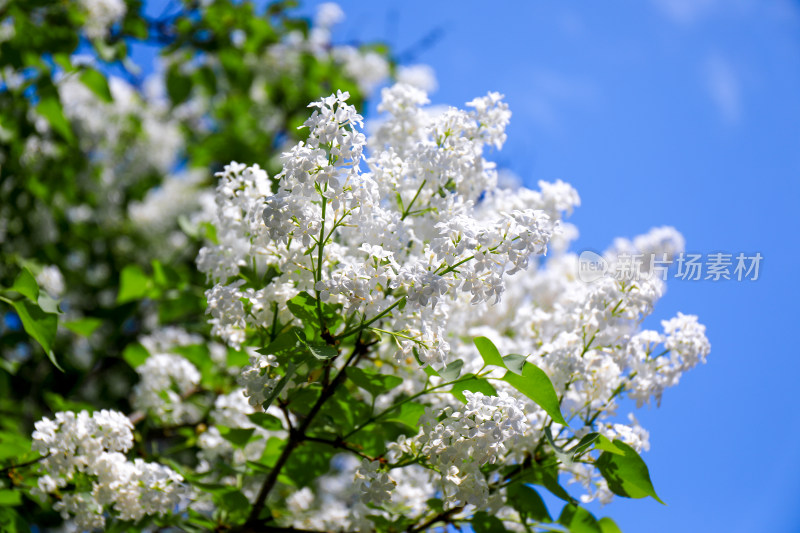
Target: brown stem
{"x":444,"y":516}
{"x":296,"y":437}
{"x":23,"y":465}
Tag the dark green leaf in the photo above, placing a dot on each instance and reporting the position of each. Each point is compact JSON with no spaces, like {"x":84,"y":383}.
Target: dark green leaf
{"x":546,"y":477}
{"x":373,"y":382}
{"x":528,"y":502}
{"x":236,"y":436}
{"x":485,"y":523}
{"x":489,"y":352}
{"x":583,"y":444}
{"x":266,"y":421}
{"x":535,"y":384}
{"x":12,"y":522}
{"x":179,"y":86}
{"x":308,"y":462}
{"x":627,"y":475}
{"x":322,"y":351}
{"x":234,"y":502}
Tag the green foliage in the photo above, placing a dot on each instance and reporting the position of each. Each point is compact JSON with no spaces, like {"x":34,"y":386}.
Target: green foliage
{"x":535,"y":384}
{"x":372,"y":382}
{"x":528,"y":502}
{"x":626,"y":473}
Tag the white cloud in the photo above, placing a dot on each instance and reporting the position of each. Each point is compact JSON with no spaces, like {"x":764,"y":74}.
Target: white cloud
{"x":724,"y":88}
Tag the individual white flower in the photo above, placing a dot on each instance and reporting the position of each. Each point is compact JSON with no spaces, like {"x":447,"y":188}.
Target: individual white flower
{"x":258,"y":379}
{"x":374,"y":485}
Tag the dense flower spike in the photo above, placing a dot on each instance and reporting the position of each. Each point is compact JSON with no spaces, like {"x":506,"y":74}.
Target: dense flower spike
{"x":87,"y":450}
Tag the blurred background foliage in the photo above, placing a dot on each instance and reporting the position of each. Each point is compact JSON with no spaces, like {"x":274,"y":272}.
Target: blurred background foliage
{"x":106,"y":178}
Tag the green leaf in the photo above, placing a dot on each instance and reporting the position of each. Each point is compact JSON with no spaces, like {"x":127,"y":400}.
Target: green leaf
{"x":373,"y":382}
{"x":322,"y":351}
{"x":627,"y":475}
{"x":236,"y":436}
{"x":283,"y":343}
{"x":602,"y":443}
{"x":39,"y":325}
{"x":583,"y":444}
{"x":133,"y":284}
{"x":514,"y":362}
{"x":12,"y":522}
{"x":26,"y":285}
{"x":489,"y":352}
{"x":535,"y":384}
{"x":276,"y":390}
{"x":472,"y":384}
{"x":483,"y":522}
{"x":527,"y":502}
{"x":135,"y":354}
{"x":97,"y":83}
{"x":83,"y":326}
{"x":266,"y":421}
{"x":304,"y":307}
{"x":234,"y":502}
{"x":451,"y":371}
{"x":578,"y":520}
{"x":13,"y":446}
{"x":10,"y":497}
{"x":546,"y":477}
{"x":179,"y":86}
{"x":50,"y":108}
{"x":429,"y":370}
{"x":308,"y":462}
{"x":407,"y":414}
{"x":608,"y":526}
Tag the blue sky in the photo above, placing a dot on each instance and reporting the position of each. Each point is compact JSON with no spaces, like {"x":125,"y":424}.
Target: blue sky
{"x":661,"y":112}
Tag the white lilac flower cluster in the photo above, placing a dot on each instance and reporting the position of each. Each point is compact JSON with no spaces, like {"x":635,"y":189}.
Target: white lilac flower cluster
{"x":408,"y":228}
{"x":101,"y":15}
{"x":459,"y":444}
{"x":259,"y":378}
{"x":167,"y":379}
{"x":164,"y":380}
{"x":87,"y":451}
{"x":409,"y":231}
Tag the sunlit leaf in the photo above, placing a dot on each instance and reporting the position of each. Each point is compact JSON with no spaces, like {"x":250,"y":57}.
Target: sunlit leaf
{"x":535,"y":384}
